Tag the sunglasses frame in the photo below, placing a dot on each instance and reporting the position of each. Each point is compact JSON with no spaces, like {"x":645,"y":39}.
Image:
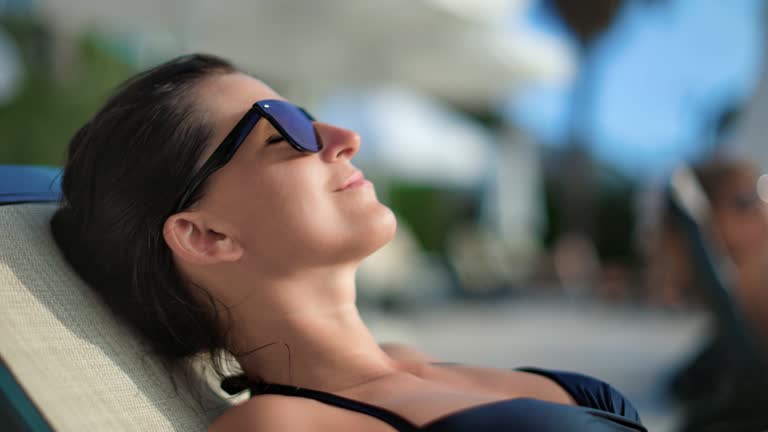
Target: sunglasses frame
{"x":235,"y":138}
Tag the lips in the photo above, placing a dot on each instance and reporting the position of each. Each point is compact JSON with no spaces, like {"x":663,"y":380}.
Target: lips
{"x":355,"y":179}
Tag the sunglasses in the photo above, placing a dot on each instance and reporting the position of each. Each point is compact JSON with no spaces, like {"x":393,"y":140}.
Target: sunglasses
{"x":292,"y":122}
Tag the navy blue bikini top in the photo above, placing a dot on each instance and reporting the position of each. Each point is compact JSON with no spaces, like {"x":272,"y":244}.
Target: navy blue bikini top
{"x":601,"y":408}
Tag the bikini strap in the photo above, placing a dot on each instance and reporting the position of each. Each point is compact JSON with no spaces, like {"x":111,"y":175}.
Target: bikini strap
{"x":394,"y":420}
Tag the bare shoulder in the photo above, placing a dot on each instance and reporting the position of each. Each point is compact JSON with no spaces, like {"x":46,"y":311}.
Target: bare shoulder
{"x":268,"y":413}
{"x":405,"y":353}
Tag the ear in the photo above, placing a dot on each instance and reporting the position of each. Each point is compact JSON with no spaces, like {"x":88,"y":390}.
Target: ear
{"x":192,"y":239}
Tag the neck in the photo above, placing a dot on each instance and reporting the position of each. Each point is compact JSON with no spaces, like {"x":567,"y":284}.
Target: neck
{"x":306,"y":331}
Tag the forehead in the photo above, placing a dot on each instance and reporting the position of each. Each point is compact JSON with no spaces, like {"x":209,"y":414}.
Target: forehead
{"x":227,"y":97}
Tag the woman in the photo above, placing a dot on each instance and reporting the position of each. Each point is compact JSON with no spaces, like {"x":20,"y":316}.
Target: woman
{"x":724,"y":383}
{"x":739,"y":223}
{"x":213,"y":215}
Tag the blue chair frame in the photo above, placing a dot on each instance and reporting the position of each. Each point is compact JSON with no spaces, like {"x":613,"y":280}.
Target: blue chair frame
{"x":24,"y":184}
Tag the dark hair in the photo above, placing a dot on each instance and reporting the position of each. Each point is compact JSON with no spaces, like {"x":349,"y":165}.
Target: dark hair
{"x":125,"y":170}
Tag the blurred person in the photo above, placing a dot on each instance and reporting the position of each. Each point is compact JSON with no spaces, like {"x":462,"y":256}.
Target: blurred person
{"x":214,"y":216}
{"x":718,"y":385}
{"x":740,"y":225}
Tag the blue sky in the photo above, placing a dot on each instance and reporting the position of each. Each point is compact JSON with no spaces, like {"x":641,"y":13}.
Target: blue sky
{"x":662,"y":74}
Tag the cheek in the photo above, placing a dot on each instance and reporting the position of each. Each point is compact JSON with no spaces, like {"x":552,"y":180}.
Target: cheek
{"x":288,"y":214}
{"x":281,"y":208}
{"x":314,"y":226}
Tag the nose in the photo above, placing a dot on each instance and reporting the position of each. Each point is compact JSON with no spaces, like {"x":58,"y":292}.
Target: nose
{"x":338,"y":143}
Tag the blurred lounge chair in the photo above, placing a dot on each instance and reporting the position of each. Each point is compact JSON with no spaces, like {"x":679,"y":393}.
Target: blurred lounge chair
{"x":725,"y":386}
{"x":66,"y":363}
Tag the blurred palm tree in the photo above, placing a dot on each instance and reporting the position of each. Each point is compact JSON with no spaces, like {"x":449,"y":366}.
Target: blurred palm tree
{"x":586,"y":21}
{"x":582,"y":210}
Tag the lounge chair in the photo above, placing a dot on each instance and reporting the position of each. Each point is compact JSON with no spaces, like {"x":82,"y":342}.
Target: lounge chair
{"x":66,"y":363}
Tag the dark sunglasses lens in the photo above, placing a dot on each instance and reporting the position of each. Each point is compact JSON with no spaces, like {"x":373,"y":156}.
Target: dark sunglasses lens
{"x":294,"y":121}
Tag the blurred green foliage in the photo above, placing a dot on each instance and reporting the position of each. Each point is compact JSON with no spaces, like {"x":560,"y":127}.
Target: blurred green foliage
{"x":613,"y":213}
{"x":51,"y":104}
{"x":431,"y":212}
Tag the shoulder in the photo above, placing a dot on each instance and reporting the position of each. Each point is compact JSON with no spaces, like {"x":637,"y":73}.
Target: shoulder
{"x":268,"y":413}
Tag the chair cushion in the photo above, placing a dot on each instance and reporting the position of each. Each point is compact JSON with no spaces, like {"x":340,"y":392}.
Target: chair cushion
{"x":84,"y":370}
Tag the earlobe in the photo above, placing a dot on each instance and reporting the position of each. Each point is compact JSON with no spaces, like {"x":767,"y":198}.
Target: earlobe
{"x":192,"y":239}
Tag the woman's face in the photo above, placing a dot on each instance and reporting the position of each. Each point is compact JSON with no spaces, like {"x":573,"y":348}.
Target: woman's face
{"x":285,"y":208}
{"x":742,"y":217}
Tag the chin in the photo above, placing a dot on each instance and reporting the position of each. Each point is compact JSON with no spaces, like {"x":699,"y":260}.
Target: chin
{"x":379,"y":230}
{"x":388,"y":226}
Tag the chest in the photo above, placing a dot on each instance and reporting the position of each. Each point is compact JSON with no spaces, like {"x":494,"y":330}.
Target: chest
{"x":433,"y":393}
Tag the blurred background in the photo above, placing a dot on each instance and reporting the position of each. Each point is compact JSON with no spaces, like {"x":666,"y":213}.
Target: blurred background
{"x":579,"y":185}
